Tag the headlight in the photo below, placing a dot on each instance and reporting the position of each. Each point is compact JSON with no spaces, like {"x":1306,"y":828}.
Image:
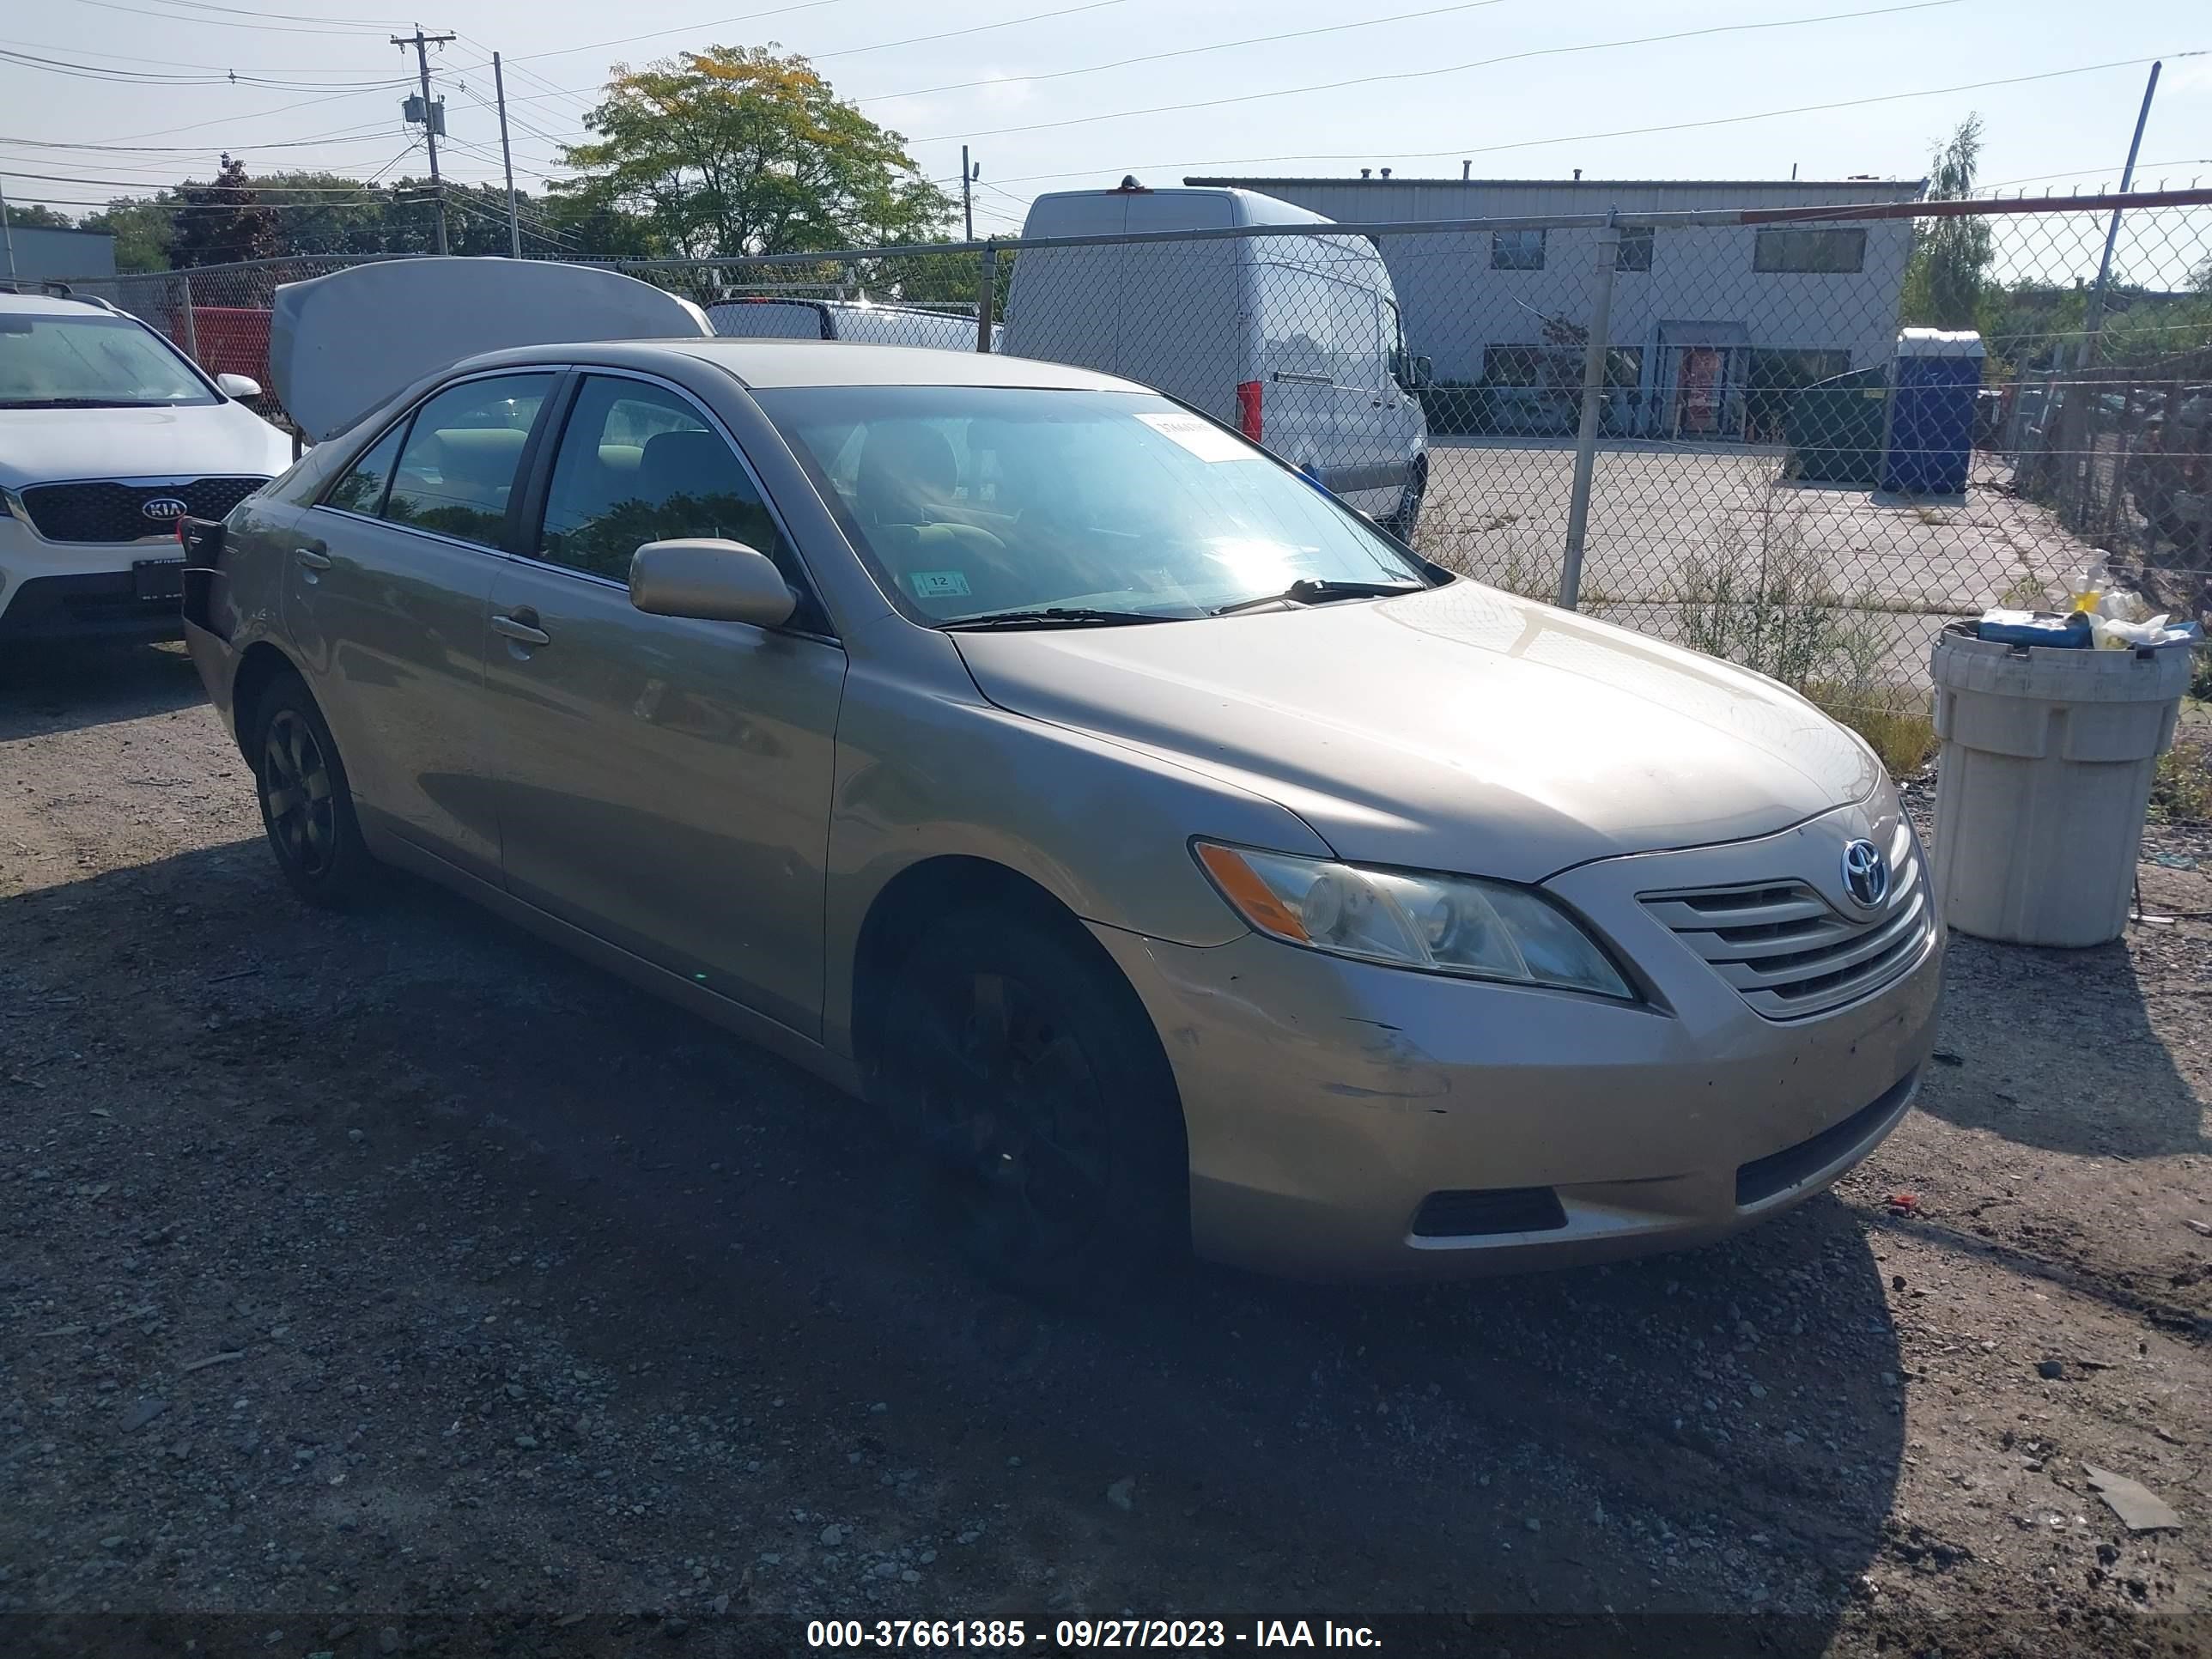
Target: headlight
{"x":1439,"y":924}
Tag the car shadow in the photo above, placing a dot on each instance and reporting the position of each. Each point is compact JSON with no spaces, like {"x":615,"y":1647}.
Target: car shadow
{"x":2104,"y":1084}
{"x":1719,"y":1431}
{"x":47,"y":688}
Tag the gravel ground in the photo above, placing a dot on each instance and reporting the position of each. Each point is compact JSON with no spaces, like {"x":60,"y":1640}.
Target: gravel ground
{"x":363,"y":1276}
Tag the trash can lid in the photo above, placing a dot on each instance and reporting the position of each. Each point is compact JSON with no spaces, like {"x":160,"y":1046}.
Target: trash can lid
{"x":1939,"y":343}
{"x":2056,"y":673}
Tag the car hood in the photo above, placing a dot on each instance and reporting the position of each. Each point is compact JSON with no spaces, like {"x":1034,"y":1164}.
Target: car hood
{"x":1461,"y":729}
{"x":47,"y":446}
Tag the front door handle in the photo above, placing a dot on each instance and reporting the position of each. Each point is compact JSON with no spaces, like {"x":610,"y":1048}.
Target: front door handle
{"x":521,"y":629}
{"x":312,"y":558}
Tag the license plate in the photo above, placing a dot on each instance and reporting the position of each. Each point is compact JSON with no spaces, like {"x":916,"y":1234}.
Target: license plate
{"x":159,"y":579}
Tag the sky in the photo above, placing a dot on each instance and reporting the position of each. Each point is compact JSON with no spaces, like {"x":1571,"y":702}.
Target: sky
{"x":1058,"y":93}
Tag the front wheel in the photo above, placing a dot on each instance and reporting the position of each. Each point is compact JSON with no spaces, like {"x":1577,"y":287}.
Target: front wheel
{"x":1024,"y":1068}
{"x":1407,"y":520}
{"x":306,"y":808}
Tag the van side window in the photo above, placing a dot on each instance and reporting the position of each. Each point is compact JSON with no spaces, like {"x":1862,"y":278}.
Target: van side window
{"x":456,"y":472}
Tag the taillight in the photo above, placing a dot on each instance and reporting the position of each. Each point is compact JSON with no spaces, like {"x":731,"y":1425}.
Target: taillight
{"x":1247,"y":409}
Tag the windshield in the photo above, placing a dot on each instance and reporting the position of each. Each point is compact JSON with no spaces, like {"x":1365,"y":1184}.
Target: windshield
{"x":90,"y":362}
{"x":976,"y":500}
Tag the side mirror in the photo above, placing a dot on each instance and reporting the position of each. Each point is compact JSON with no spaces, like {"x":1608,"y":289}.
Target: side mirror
{"x":237,"y":386}
{"x":1424,"y":373}
{"x":711,"y":580}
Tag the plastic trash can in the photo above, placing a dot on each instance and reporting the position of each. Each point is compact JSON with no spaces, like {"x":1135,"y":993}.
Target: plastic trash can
{"x":1931,"y":418}
{"x":2043,"y":777}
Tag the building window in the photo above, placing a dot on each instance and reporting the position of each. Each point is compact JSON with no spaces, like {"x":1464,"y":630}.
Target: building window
{"x":1635,"y":253}
{"x":1517,"y":250}
{"x":1824,"y":252}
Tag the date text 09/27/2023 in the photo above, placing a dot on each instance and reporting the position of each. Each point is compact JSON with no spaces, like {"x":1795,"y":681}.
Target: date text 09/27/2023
{"x":1014,"y":1634}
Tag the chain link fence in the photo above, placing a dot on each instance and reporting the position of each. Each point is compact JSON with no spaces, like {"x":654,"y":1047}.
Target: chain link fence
{"x":1713,"y":427}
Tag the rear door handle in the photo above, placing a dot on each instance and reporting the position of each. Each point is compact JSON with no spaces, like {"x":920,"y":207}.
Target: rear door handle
{"x":521,"y":632}
{"x":312,"y":558}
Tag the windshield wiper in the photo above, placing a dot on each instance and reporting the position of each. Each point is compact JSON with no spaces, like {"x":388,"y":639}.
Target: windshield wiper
{"x":1059,"y":615}
{"x":1315,"y":591}
{"x":81,"y":403}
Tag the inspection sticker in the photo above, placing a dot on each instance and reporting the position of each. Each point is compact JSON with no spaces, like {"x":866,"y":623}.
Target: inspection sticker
{"x":1202,"y":438}
{"x":938,"y":584}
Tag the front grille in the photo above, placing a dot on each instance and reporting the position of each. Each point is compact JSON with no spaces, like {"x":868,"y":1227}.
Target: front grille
{"x":1792,"y":954}
{"x":1489,"y":1210}
{"x":109,"y":512}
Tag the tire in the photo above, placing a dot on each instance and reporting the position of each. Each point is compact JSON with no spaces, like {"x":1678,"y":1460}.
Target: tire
{"x":1020,"y":1064}
{"x":1407,"y":520}
{"x":307,"y":806}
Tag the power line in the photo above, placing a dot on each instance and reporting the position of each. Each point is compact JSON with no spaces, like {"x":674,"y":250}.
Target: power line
{"x":1182,"y":51}
{"x":1634,"y":132}
{"x":225,"y":23}
{"x":193,"y":78}
{"x":976,"y":28}
{"x":372,"y":24}
{"x":159,"y":63}
{"x":343,"y":135}
{"x":688,"y":28}
{"x":1450,"y":69}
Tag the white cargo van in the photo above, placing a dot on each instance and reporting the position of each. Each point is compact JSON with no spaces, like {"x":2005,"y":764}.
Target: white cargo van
{"x":765,"y":317}
{"x":1294,"y":340}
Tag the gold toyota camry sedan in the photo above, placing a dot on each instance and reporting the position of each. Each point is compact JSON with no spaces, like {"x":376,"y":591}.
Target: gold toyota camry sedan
{"x":1180,"y":862}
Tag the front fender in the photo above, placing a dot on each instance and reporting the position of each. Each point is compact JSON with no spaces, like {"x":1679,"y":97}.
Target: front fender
{"x":1103,"y":827}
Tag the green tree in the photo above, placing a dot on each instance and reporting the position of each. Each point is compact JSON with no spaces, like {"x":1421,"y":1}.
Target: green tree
{"x":737,"y":149}
{"x":37,"y":215}
{"x":142,"y":226}
{"x":222,"y":222}
{"x":1943,"y":282}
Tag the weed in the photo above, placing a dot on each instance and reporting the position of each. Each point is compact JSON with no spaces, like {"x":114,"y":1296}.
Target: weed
{"x":2025,"y":593}
{"x":2181,"y":791}
{"x":1932,"y":515}
{"x":1896,"y":720}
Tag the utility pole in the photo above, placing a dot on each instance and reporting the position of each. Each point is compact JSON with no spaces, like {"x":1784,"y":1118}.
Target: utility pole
{"x":422,"y":43}
{"x":968,"y":176}
{"x":507,"y":157}
{"x":7,"y":233}
{"x":2096,"y":310}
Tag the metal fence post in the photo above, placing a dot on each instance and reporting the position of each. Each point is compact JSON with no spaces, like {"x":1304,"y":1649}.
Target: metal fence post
{"x":987,"y":297}
{"x":191,"y":342}
{"x":1594,"y":390}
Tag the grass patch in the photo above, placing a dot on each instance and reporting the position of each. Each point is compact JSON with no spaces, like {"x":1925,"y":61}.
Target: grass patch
{"x":2181,"y":791}
{"x":1895,"y":721}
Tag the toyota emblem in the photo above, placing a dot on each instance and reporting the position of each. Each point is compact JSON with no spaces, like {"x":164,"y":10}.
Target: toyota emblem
{"x":163,"y":509}
{"x":1866,"y":874}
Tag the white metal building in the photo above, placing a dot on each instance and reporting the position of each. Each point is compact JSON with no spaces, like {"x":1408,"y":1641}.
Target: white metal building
{"x":1708,"y":323}
{"x":43,"y":252}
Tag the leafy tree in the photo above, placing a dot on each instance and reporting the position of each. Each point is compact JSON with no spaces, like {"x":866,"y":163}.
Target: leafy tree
{"x":37,"y":215}
{"x":1943,"y":283}
{"x":222,"y":222}
{"x":738,"y":150}
{"x":142,"y":226}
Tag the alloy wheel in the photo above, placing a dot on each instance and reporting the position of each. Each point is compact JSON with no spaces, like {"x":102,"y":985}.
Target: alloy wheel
{"x":296,"y":794}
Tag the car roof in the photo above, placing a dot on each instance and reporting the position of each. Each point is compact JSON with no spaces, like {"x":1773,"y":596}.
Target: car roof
{"x":776,"y":364}
{"x":53,"y":305}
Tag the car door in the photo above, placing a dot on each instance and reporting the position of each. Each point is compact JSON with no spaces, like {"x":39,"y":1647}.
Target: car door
{"x":387,"y":587}
{"x":1296,"y":369}
{"x":664,"y":783}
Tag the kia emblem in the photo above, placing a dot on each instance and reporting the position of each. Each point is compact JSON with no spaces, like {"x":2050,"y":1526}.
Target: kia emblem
{"x":1866,"y":874}
{"x":163,"y":509}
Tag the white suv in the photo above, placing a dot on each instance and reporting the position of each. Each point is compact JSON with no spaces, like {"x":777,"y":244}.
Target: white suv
{"x":109,"y":435}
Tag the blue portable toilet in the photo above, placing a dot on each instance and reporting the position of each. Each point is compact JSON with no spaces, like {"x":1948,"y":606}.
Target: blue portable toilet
{"x":1931,"y":416}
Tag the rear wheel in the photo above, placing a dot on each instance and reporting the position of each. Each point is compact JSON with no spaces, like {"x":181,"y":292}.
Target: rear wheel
{"x":1028,"y":1074}
{"x":306,"y":808}
{"x":1407,"y":520}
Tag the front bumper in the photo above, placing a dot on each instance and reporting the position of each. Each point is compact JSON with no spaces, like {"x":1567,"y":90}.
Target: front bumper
{"x":1327,"y":1101}
{"x":80,"y":590}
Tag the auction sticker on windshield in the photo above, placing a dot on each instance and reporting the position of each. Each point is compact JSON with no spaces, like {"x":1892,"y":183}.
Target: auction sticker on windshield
{"x":1202,"y":438}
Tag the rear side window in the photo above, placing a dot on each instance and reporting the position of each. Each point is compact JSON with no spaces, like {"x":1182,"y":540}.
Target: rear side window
{"x":456,"y":472}
{"x":362,"y":489}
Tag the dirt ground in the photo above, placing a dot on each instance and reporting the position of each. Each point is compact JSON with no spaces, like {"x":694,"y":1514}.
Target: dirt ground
{"x":392,"y":1283}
